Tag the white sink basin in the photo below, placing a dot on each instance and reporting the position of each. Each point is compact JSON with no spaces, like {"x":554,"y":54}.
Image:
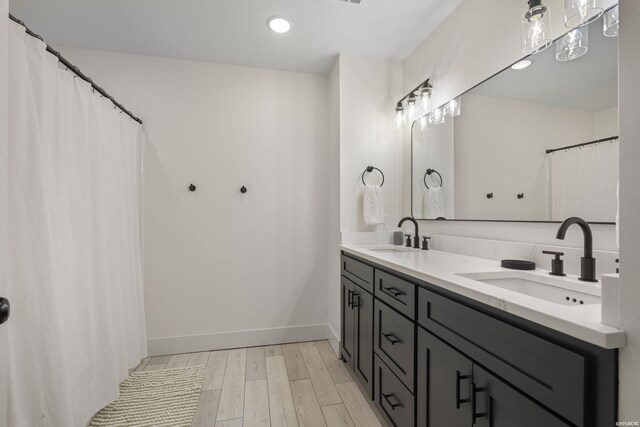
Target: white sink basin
{"x":556,"y":290}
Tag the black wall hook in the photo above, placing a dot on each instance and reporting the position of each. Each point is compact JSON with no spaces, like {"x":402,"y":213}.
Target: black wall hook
{"x":520,"y":195}
{"x":243,"y":189}
{"x":192,"y":187}
{"x":489,"y":195}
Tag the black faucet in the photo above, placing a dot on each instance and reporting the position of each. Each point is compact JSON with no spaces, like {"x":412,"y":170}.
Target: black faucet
{"x":416,"y":239}
{"x":587,"y":262}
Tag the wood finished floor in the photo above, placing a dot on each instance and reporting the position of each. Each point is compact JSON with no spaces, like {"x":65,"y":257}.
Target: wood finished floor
{"x":301,"y":384}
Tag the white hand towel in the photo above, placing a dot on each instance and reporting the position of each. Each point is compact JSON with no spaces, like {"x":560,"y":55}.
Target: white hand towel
{"x":433,"y":203}
{"x":373,"y":207}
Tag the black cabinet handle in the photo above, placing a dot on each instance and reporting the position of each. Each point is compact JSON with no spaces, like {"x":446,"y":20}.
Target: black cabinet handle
{"x":388,"y":397}
{"x":392,"y":338}
{"x":458,"y":378}
{"x":393,"y":290}
{"x":4,"y":310}
{"x":474,"y":414}
{"x":349,"y":292}
{"x":355,"y":302}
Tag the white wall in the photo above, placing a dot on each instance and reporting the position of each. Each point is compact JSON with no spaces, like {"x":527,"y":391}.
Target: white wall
{"x":4,"y":123}
{"x":478,"y":39}
{"x":333,"y":181}
{"x":630,"y":209}
{"x":224,"y":269}
{"x":369,"y":90}
{"x":606,"y":123}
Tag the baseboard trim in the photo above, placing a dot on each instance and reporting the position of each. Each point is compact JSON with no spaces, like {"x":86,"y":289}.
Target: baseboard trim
{"x":239,"y":339}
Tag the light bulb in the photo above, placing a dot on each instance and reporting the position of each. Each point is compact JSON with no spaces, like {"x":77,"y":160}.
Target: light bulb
{"x":573,"y":45}
{"x":535,"y":29}
{"x":612,"y":22}
{"x":580,"y":12}
{"x":425,"y":97}
{"x":411,"y":107}
{"x":399,"y":116}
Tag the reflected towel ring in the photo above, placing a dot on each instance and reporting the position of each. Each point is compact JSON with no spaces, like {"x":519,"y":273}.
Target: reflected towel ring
{"x":429,"y":172}
{"x":370,"y":169}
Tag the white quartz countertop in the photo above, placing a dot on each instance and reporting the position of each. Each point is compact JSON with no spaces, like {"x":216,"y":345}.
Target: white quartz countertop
{"x":442,"y":269}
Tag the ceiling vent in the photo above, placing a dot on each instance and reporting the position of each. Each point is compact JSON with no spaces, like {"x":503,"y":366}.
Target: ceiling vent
{"x":356,"y":2}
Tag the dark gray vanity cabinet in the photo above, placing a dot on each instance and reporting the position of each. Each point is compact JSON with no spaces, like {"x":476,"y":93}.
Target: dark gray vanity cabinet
{"x":443,"y":384}
{"x":432,"y":358}
{"x":357,"y":332}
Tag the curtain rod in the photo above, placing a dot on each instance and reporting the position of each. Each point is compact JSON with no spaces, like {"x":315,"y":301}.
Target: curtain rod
{"x":76,"y":70}
{"x":611,"y":138}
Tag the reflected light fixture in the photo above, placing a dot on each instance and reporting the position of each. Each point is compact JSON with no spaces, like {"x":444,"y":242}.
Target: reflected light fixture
{"x":399,"y":115}
{"x":573,"y":45}
{"x":581,"y":12}
{"x":611,"y":22}
{"x":278,"y":24}
{"x":536,"y":32}
{"x":436,"y":117}
{"x":423,"y":123}
{"x":452,"y":108}
{"x":521,"y":65}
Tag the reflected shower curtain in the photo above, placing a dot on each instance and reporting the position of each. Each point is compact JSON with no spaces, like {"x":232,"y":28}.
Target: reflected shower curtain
{"x":583,"y":182}
{"x":74,"y":270}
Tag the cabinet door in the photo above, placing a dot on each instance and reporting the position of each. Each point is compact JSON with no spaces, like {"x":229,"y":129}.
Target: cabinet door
{"x":348,"y":330}
{"x":443,"y":384}
{"x":362,"y":304}
{"x":496,"y":404}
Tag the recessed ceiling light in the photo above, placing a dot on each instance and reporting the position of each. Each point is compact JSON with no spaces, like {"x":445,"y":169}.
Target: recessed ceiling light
{"x":521,"y":65}
{"x":279,"y":24}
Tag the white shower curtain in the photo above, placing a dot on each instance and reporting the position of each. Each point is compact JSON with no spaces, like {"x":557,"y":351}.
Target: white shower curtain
{"x":583,"y":182}
{"x":74,"y":270}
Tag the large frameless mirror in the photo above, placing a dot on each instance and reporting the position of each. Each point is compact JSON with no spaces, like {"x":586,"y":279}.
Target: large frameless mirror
{"x":536,"y":142}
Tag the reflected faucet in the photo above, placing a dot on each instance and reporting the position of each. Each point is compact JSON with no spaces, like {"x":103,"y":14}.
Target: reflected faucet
{"x":587,"y":262}
{"x":416,"y":238}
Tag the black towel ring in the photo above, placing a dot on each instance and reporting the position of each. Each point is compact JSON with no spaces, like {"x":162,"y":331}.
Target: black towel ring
{"x":370,"y":169}
{"x":429,"y":172}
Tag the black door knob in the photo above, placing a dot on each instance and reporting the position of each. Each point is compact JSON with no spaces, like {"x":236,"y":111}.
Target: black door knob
{"x":192,"y":187}
{"x":4,"y":310}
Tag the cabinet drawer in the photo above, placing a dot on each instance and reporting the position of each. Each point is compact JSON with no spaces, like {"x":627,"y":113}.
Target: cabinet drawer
{"x":396,"y":292}
{"x":393,"y":399}
{"x":550,"y":374}
{"x":358,"y":272}
{"x":394,"y":342}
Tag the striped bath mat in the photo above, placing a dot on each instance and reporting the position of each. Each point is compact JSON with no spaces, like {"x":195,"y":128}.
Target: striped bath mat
{"x":155,"y":398}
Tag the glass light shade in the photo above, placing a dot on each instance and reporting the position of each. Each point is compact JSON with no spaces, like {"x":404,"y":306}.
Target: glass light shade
{"x":573,"y":45}
{"x":452,"y":109}
{"x":425,"y":97}
{"x":611,"y":22}
{"x":399,"y":116}
{"x":412,"y":110}
{"x":436,"y":117}
{"x":536,"y":30}
{"x":581,"y":12}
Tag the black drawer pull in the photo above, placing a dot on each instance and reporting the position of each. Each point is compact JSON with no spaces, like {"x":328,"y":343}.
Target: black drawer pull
{"x":392,"y":338}
{"x":394,"y":291}
{"x":349,"y":292}
{"x":388,"y":397}
{"x":474,"y":414}
{"x":355,"y":302}
{"x":458,"y":378}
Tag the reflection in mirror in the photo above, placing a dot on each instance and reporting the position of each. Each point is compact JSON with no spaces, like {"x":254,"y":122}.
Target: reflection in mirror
{"x":492,"y":161}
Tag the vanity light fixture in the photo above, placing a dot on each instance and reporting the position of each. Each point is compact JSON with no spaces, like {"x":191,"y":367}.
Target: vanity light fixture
{"x":536,"y":30}
{"x":399,"y":115}
{"x":521,"y":65}
{"x":581,"y":12}
{"x":573,"y":45}
{"x":437,"y":116}
{"x":611,"y":22}
{"x":278,"y":24}
{"x":415,"y":103}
